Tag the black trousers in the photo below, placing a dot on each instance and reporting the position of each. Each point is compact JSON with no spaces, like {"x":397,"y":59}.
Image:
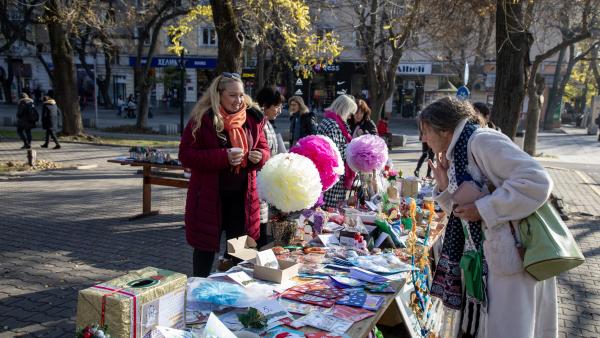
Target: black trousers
{"x":426,"y":153}
{"x":50,"y":133}
{"x":233,"y":220}
{"x":25,"y":135}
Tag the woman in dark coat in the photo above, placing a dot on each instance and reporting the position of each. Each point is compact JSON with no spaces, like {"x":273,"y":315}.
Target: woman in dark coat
{"x":50,"y":121}
{"x":302,"y":121}
{"x":360,"y":122}
{"x":223,"y":145}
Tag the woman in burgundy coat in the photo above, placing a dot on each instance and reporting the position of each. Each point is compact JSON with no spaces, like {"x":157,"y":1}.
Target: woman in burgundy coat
{"x":224,"y":145}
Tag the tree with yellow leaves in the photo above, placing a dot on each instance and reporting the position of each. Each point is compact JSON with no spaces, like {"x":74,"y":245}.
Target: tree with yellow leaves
{"x":274,"y":26}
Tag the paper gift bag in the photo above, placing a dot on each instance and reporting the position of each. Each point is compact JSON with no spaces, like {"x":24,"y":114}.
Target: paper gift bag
{"x":133,"y":304}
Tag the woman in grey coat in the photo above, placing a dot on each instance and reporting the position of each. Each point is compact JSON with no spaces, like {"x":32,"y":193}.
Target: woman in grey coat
{"x":50,"y":120}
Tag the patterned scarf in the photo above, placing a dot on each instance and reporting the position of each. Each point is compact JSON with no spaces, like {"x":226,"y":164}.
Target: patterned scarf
{"x":447,"y":278}
{"x":349,"y":174}
{"x":234,"y":126}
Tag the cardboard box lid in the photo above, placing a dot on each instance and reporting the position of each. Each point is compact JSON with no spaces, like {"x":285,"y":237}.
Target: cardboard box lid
{"x":287,"y":270}
{"x":243,"y":247}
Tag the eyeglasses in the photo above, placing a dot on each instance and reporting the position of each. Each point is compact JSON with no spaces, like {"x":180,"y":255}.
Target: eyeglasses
{"x":231,"y":75}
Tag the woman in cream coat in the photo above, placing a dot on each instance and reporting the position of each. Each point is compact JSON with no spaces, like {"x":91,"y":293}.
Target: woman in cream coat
{"x":516,"y":304}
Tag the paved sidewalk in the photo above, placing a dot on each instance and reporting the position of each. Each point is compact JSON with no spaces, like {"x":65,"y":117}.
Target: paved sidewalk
{"x":66,"y":230}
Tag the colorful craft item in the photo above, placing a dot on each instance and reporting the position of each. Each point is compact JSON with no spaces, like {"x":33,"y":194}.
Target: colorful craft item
{"x":325,"y":155}
{"x":363,"y":300}
{"x":352,"y":314}
{"x":289,"y":182}
{"x":319,"y":289}
{"x":367,"y":153}
{"x":309,"y":299}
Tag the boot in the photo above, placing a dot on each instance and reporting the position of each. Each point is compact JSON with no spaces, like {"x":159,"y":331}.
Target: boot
{"x":57,"y":146}
{"x":45,"y":145}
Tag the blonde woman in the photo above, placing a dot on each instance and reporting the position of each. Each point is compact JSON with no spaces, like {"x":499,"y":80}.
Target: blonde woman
{"x":335,"y":127}
{"x":302,"y":121}
{"x":224,"y":145}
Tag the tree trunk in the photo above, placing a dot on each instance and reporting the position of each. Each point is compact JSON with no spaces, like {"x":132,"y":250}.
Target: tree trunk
{"x":103,"y":85}
{"x":261,"y":55}
{"x":65,"y":83}
{"x":6,"y":80}
{"x":594,"y":67}
{"x":513,"y":43}
{"x":554,"y":98}
{"x":535,"y":89}
{"x":143,"y":90}
{"x":231,"y":39}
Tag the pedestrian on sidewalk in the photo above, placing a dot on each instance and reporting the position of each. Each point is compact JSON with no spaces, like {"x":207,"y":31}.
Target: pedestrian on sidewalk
{"x":131,"y":106}
{"x":597,"y":121}
{"x":501,"y":299}
{"x":360,"y":122}
{"x":426,"y":153}
{"x":383,"y":131}
{"x":484,"y":110}
{"x":50,"y":113}
{"x":270,"y":101}
{"x":224,"y":146}
{"x":27,"y":117}
{"x":120,"y":105}
{"x":334,"y":126}
{"x":302,"y":121}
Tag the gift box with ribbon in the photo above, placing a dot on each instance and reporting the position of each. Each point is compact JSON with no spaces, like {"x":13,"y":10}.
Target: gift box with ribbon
{"x":133,"y":304}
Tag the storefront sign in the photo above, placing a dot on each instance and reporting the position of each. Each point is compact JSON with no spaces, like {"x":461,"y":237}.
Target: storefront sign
{"x":158,"y":62}
{"x":414,"y":68}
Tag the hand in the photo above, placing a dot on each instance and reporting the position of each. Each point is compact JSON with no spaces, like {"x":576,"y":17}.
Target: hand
{"x":234,"y":158}
{"x":467,"y":212}
{"x":255,"y":156}
{"x":440,"y":171}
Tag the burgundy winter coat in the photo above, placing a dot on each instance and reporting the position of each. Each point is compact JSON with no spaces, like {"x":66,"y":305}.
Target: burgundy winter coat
{"x":206,"y":158}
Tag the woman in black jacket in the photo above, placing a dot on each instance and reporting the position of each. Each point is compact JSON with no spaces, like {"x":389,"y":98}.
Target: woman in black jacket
{"x":361,"y":123}
{"x":50,"y":121}
{"x":302,"y":122}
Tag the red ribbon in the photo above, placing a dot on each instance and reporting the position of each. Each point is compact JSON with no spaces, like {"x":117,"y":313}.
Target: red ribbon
{"x":119,"y":291}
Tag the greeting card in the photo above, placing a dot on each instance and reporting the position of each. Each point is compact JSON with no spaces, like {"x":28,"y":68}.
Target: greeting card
{"x":319,"y":289}
{"x":310,"y":299}
{"x":362,"y":299}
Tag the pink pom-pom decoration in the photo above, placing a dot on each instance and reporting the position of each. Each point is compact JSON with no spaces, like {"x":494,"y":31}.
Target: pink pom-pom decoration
{"x":325,"y":155}
{"x":366,"y":153}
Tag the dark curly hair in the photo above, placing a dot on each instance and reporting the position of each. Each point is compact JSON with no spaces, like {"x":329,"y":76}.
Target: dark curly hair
{"x":446,"y":113}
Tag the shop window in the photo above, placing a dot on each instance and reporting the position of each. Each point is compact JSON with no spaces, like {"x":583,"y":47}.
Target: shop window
{"x":208,"y":36}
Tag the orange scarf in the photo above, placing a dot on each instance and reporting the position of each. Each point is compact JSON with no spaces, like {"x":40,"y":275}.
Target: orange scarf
{"x":234,"y":126}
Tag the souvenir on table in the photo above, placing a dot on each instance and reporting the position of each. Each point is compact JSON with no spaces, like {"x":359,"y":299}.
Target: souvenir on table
{"x":289,"y":182}
{"x":306,"y":298}
{"x":353,"y":314}
{"x":319,"y":289}
{"x":362,"y":299}
{"x":325,"y":155}
{"x":380,"y":288}
{"x":133,"y":304}
{"x":298,"y":307}
{"x":345,"y":282}
{"x":282,"y":332}
{"x":325,"y":322}
{"x":325,"y":335}
{"x":366,"y":276}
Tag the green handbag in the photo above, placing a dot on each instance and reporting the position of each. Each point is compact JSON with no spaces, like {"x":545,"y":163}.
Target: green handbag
{"x":550,"y":249}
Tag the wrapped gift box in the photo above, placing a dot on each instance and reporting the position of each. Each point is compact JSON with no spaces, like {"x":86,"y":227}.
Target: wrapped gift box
{"x":133,"y":304}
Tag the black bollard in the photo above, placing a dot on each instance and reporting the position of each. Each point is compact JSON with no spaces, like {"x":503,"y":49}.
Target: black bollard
{"x":31,"y":157}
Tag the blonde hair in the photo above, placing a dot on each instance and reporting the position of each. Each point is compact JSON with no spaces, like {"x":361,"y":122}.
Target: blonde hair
{"x":302,"y":107}
{"x":211,"y":99}
{"x":344,"y":106}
